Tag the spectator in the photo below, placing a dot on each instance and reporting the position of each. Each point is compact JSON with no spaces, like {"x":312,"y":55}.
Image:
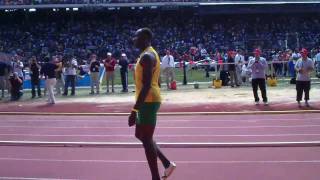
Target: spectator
{"x":9,"y":71}
{"x":245,"y":74}
{"x":35,"y":80}
{"x":304,"y":67}
{"x":258,"y":66}
{"x":232,"y":69}
{"x":70,"y":70}
{"x":109,"y":64}
{"x":59,"y":77}
{"x":94,"y":73}
{"x":317,"y":60}
{"x":18,"y":66}
{"x":48,"y":70}
{"x":16,"y":83}
{"x":239,"y":61}
{"x":3,"y":69}
{"x":123,"y":62}
{"x":168,"y":68}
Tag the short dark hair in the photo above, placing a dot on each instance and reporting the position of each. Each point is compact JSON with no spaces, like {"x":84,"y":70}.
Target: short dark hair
{"x":147,"y":33}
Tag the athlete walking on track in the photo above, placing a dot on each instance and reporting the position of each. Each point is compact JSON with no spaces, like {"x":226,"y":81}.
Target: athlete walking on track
{"x":148,"y":100}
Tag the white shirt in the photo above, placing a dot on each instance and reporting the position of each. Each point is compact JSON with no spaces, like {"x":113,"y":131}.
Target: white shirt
{"x":239,"y":60}
{"x":18,"y":68}
{"x":71,"y":70}
{"x":203,"y":52}
{"x":296,"y":56}
{"x":167,"y":61}
{"x":304,"y":65}
{"x":317,"y":57}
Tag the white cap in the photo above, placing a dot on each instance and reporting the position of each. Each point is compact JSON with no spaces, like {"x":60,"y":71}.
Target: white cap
{"x":123,"y":55}
{"x":109,"y":54}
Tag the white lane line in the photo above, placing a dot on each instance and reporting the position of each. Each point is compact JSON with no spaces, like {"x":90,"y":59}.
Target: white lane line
{"x":162,"y":144}
{"x":109,"y":120}
{"x":170,"y":135}
{"x":164,"y":127}
{"x":32,"y":178}
{"x":178,"y":162}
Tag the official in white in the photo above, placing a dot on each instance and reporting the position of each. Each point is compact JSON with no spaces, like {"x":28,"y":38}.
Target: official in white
{"x":168,"y":68}
{"x":239,"y":61}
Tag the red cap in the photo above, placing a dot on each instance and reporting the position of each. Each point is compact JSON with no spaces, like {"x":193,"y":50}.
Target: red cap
{"x":304,"y":51}
{"x":257,"y":52}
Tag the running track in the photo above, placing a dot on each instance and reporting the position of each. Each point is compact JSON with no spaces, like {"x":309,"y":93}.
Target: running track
{"x":121,"y":163}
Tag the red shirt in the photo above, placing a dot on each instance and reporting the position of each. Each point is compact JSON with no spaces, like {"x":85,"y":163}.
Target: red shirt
{"x":111,"y":62}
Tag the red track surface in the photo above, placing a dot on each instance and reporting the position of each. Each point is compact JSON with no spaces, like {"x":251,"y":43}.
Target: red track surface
{"x":281,"y":163}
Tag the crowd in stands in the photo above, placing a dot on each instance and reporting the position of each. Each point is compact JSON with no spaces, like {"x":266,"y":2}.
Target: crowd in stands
{"x":187,"y":37}
{"x":29,"y":2}
{"x":179,"y":33}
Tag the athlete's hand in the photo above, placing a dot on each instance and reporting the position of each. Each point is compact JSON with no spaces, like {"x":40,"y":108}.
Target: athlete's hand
{"x":132,"y":119}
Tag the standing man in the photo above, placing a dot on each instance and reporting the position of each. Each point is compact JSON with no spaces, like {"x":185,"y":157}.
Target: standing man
{"x":232,"y":69}
{"x":48,"y":70}
{"x":123,"y":62}
{"x":258,"y":67}
{"x":317,"y":58}
{"x":239,"y":61}
{"x":60,"y":77}
{"x":17,"y":67}
{"x":94,"y":74}
{"x":3,"y":81}
{"x":35,"y":73}
{"x":304,"y":67}
{"x":168,"y":68}
{"x":110,"y":64}
{"x":71,"y":75}
{"x":148,"y":100}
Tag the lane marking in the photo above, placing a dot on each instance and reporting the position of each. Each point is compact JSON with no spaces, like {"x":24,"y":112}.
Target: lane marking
{"x":178,"y":162}
{"x":165,"y":127}
{"x":167,"y":135}
{"x":160,"y":120}
{"x":32,"y":178}
{"x":163,"y":113}
{"x":162,"y":144}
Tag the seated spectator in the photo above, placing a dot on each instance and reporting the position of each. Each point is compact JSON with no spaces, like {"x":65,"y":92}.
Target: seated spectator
{"x":16,"y":84}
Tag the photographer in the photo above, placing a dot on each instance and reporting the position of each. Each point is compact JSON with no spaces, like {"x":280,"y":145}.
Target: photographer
{"x":3,"y":69}
{"x":258,"y":67}
{"x":94,"y":73}
{"x":16,"y":84}
{"x":18,"y":66}
{"x":70,"y":69}
{"x":123,"y":62}
{"x":35,"y":80}
{"x":59,"y":76}
{"x":304,"y":67}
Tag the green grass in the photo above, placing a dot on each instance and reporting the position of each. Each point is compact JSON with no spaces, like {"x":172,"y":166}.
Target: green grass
{"x":192,"y":76}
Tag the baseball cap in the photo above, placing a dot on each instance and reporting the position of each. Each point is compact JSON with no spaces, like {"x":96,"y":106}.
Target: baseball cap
{"x":304,"y":51}
{"x":257,"y":52}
